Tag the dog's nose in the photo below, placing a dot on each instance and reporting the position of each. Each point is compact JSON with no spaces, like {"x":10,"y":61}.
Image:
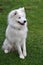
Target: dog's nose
{"x":24,"y":21}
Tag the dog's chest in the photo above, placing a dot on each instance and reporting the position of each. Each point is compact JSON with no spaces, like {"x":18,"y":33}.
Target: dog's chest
{"x":17,"y":33}
{"x":14,"y":34}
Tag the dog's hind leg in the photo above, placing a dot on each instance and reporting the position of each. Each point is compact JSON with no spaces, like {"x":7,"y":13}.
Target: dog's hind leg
{"x":6,"y":46}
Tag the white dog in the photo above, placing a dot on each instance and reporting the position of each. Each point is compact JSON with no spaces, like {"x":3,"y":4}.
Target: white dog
{"x":16,"y":32}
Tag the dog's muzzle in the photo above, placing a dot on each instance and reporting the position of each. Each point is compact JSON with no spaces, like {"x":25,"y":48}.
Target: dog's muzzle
{"x":22,"y":23}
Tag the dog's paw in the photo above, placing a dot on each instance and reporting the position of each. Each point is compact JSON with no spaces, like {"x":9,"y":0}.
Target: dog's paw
{"x":25,"y":54}
{"x":6,"y":51}
{"x":22,"y":57}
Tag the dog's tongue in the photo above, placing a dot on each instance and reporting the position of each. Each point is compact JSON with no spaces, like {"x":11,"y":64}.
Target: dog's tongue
{"x":21,"y":23}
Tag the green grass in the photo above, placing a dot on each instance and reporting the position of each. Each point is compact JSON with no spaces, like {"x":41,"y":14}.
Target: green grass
{"x":34,"y":12}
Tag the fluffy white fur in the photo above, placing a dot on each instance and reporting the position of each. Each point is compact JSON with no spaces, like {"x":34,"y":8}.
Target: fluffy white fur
{"x":16,"y":32}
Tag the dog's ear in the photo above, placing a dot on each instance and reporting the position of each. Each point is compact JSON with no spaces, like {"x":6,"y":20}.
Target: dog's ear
{"x":12,"y":14}
{"x":22,"y":9}
{"x":15,"y":12}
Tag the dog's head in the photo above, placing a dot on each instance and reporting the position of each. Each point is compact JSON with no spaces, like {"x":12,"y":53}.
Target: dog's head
{"x":17,"y":17}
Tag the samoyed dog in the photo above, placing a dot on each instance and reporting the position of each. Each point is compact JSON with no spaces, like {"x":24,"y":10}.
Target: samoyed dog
{"x":16,"y":32}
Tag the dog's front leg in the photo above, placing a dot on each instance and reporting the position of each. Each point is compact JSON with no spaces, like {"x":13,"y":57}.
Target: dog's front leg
{"x":24,"y":47}
{"x":20,"y":51}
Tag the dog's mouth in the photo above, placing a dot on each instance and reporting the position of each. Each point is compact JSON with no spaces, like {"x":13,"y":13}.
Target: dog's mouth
{"x":21,"y":23}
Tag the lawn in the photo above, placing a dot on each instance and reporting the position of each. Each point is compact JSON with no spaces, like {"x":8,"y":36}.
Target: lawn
{"x":34,"y":13}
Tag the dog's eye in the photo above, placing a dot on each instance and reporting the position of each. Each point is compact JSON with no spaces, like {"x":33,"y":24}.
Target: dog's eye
{"x":19,"y":17}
